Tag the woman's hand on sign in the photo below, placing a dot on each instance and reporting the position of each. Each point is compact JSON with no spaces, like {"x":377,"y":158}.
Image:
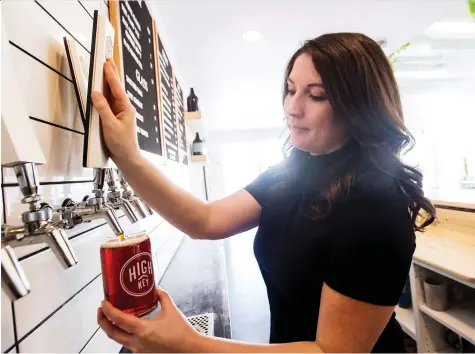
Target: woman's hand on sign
{"x":169,"y":331}
{"x":117,"y":117}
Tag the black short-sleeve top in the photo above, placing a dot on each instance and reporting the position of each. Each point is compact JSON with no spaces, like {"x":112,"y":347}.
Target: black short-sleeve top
{"x":362,"y":249}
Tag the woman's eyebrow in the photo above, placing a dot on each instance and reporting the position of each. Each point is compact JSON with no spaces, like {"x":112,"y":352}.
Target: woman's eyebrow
{"x":314,"y":84}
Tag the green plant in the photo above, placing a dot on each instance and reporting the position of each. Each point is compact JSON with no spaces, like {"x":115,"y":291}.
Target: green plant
{"x":393,"y":57}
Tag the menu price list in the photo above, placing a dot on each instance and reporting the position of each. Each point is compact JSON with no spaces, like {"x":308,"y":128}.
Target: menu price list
{"x":139,"y":72}
{"x":168,"y":104}
{"x":182,"y":150}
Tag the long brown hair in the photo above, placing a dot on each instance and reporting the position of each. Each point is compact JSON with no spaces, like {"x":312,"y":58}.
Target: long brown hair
{"x":362,"y":90}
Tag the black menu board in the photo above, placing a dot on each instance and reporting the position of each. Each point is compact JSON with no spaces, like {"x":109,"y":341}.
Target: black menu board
{"x":167,"y":100}
{"x":180,"y":109}
{"x":138,"y":56}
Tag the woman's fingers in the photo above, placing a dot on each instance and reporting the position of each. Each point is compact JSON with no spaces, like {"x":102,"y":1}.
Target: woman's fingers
{"x":112,"y":62}
{"x":125,"y":321}
{"x":114,"y":83}
{"x":114,"y":332}
{"x":164,"y":299}
{"x":103,"y":108}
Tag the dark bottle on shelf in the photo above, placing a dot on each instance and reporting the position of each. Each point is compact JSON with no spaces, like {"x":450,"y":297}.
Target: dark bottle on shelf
{"x":198,"y":146}
{"x":192,"y":101}
{"x":405,"y":298}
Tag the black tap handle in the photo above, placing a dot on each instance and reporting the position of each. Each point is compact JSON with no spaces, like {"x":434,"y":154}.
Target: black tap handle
{"x":44,"y":205}
{"x":68,"y":202}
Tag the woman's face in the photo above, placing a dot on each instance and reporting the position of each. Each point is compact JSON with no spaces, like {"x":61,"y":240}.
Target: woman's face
{"x":310,"y":117}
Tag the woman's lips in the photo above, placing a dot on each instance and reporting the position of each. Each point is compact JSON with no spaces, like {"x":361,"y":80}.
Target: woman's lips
{"x":298,"y":129}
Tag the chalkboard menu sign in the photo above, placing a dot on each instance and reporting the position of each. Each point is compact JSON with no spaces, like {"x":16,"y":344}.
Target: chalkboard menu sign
{"x":167,"y":101}
{"x":135,"y":25}
{"x":180,"y":109}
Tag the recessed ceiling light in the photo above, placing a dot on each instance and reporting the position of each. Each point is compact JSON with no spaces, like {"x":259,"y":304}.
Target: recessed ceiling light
{"x":251,"y":36}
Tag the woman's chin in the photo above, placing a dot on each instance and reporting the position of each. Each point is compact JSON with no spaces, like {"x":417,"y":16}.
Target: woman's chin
{"x":299,"y":142}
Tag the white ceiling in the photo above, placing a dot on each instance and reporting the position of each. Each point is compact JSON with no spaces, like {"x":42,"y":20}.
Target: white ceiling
{"x":440,"y":58}
{"x":239,"y":84}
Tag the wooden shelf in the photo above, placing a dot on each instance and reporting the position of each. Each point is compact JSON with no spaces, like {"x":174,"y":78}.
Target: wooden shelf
{"x":447,"y":248}
{"x":198,"y":158}
{"x":194,"y":123}
{"x":449,"y":251}
{"x":192,"y":115}
{"x":460,"y":318}
{"x":405,"y":317}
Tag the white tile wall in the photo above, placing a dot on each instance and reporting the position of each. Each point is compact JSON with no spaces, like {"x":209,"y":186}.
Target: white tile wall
{"x":159,"y":236}
{"x":100,"y":343}
{"x":7,"y":329}
{"x":44,"y":40}
{"x":59,"y":315}
{"x":91,"y":5}
{"x":73,"y":17}
{"x":47,"y":95}
{"x":166,"y":252}
{"x":71,"y":327}
{"x":63,"y":151}
{"x":150,"y":222}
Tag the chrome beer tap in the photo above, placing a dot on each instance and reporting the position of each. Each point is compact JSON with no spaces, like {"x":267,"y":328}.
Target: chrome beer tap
{"x":115,"y":198}
{"x":142,"y":207}
{"x":91,"y":208}
{"x":149,"y":209}
{"x":39,"y":226}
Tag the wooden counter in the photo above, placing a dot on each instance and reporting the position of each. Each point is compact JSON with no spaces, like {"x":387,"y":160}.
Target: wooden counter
{"x":450,"y":251}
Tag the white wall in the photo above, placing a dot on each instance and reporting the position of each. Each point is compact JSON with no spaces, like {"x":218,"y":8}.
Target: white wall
{"x":215,"y":145}
{"x":441,"y":120}
{"x":59,"y":315}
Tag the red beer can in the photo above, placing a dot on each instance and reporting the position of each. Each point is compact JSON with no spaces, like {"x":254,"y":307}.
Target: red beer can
{"x":127,"y":274}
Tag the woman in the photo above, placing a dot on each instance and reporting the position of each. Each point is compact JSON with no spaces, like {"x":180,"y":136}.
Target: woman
{"x":336,"y":218}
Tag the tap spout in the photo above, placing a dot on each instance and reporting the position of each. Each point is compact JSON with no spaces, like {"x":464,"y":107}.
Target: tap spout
{"x":57,"y":240}
{"x":149,"y":209}
{"x":139,"y":206}
{"x":14,"y":281}
{"x":129,"y":211}
{"x":111,"y":218}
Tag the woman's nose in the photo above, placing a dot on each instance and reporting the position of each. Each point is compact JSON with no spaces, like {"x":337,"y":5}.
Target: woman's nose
{"x":294,"y":107}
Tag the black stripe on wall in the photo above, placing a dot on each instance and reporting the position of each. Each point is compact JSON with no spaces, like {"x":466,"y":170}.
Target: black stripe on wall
{"x":40,"y":61}
{"x":9,"y":349}
{"x":64,"y":28}
{"x":15,"y":331}
{"x":49,"y":183}
{"x":55,"y":311}
{"x":57,"y":72}
{"x":80,"y":3}
{"x":4,"y":215}
{"x":56,"y":125}
{"x":85,"y":345}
